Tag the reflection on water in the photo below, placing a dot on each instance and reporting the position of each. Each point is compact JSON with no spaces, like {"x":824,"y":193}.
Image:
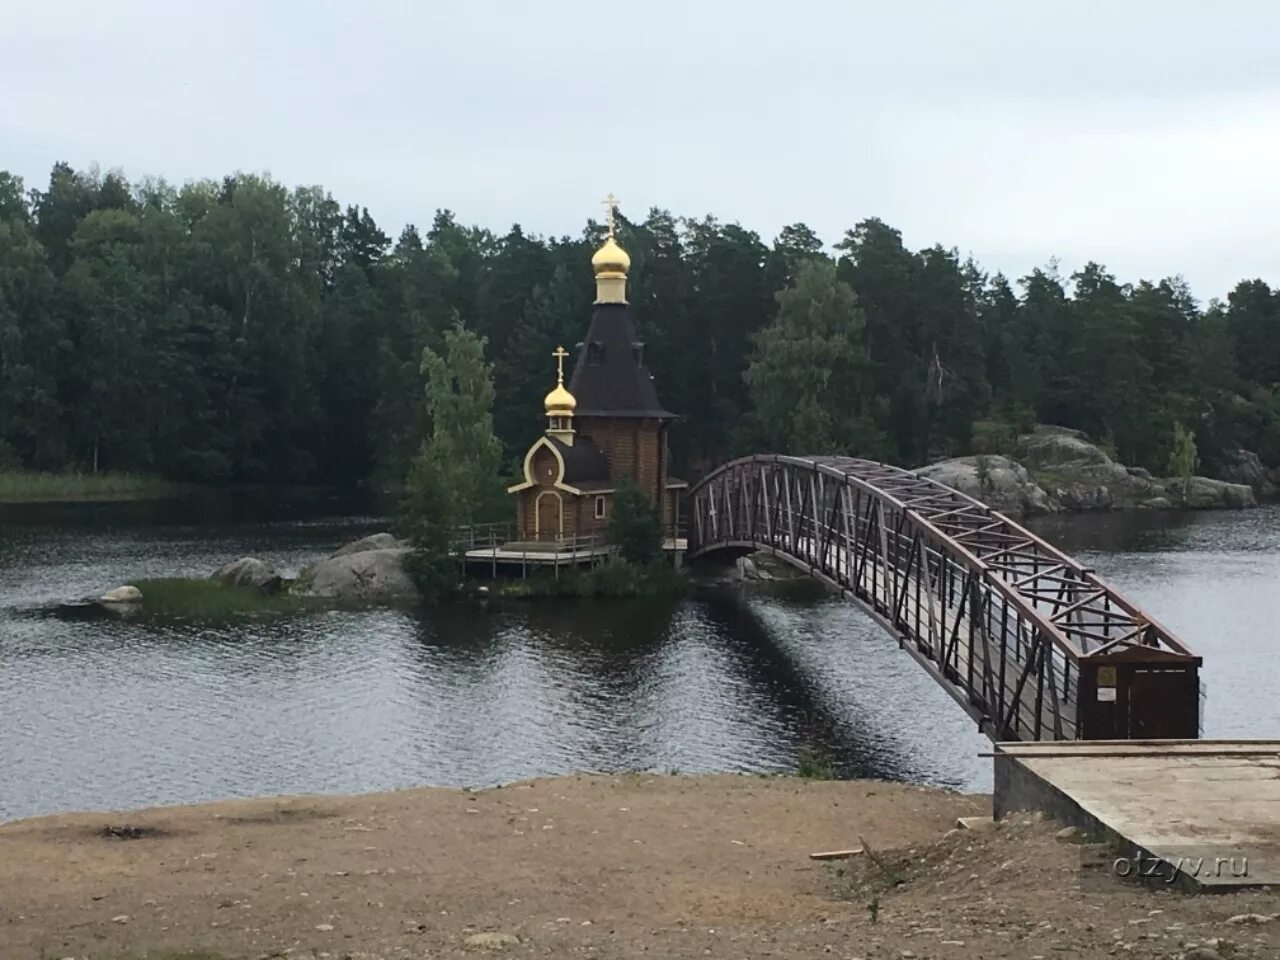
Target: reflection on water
{"x":115,"y":714}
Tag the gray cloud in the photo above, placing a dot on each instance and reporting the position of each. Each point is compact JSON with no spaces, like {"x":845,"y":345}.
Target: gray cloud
{"x":1144,"y":135}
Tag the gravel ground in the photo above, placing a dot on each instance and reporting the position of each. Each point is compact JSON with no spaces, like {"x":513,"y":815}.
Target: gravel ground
{"x":594,"y":867}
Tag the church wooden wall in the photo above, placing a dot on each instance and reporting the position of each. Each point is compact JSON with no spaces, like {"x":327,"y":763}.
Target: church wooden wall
{"x":633,"y":447}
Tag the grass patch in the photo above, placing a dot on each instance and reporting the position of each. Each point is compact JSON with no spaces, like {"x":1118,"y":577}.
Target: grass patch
{"x":614,"y":578}
{"x":201,"y":599}
{"x":22,"y":486}
{"x":814,"y":765}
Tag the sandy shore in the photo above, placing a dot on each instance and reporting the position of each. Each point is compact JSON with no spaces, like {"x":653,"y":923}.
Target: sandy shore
{"x":593,"y":867}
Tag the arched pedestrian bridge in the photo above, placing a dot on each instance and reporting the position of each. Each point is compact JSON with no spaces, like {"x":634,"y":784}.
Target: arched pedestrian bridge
{"x":1033,"y":645}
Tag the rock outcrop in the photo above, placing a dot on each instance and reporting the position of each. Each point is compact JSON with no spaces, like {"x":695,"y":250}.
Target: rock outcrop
{"x":1079,"y":475}
{"x":249,"y":572}
{"x":365,"y":576}
{"x":999,"y":482}
{"x":1060,"y":469}
{"x":1201,"y":493}
{"x":1246,"y":468}
{"x":375,"y":541}
{"x":125,"y":594}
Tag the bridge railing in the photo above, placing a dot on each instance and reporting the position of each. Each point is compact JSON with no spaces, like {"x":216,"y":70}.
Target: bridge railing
{"x":1029,"y":641}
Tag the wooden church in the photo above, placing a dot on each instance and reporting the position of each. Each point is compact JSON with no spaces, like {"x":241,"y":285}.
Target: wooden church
{"x":606,"y":424}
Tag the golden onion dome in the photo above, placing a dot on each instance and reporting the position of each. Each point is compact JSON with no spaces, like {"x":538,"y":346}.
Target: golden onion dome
{"x":610,"y":260}
{"x":560,"y":402}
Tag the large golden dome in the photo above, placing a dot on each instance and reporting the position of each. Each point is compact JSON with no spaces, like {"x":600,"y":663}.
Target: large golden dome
{"x":611,"y":262}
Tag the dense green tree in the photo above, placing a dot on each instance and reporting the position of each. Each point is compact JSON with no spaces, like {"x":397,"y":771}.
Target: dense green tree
{"x":1253,"y":323}
{"x":808,"y":374}
{"x":234,"y":330}
{"x":454,"y":481}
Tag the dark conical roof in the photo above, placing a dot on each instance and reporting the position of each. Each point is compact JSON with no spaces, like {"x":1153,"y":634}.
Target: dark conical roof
{"x":610,"y":378}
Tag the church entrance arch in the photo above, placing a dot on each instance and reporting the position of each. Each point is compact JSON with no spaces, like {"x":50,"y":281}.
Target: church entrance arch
{"x":549,"y":516}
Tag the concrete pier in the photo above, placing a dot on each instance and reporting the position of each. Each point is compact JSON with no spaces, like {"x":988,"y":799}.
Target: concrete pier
{"x":1207,"y":811}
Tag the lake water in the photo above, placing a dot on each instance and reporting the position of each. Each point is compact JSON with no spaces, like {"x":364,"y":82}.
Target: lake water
{"x":115,"y":714}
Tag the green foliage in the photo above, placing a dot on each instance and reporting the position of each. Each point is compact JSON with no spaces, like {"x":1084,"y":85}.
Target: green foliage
{"x":635,"y":528}
{"x":613,"y":578}
{"x":1184,"y":459}
{"x":209,"y":599}
{"x":808,"y":374}
{"x":455,"y":479}
{"x":235,"y":330}
{"x":998,"y":437}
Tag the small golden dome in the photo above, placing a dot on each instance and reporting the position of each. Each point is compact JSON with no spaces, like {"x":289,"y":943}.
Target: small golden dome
{"x":560,"y":402}
{"x":611,"y":261}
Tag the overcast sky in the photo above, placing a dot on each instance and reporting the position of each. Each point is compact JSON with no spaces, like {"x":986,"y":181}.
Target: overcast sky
{"x":1144,"y":135}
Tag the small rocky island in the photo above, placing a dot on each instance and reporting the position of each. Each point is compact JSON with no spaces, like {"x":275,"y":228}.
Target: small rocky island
{"x":368,"y":570}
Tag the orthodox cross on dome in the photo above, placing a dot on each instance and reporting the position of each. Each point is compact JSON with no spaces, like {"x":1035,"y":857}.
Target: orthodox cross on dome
{"x":560,"y":353}
{"x":609,"y":203}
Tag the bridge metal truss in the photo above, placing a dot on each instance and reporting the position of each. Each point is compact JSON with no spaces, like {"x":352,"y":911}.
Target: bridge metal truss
{"x":1031,"y":643}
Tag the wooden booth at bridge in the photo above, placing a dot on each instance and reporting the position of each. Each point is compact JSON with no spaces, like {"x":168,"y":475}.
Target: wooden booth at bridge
{"x":1033,"y":645}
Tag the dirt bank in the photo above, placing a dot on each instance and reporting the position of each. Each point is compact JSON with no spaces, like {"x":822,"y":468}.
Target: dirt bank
{"x":592,"y":867}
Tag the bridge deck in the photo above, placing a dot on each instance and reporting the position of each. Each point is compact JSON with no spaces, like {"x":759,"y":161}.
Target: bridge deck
{"x":1033,"y":644}
{"x":1016,"y":660}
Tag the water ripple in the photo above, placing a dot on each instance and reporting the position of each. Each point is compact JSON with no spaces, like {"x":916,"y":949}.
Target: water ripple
{"x":120,"y":713}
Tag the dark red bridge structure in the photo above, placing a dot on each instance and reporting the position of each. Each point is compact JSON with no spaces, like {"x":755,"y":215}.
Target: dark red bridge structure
{"x":1033,"y":645}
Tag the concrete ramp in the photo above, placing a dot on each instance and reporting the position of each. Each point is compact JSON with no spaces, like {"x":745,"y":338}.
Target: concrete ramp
{"x":1205,"y":813}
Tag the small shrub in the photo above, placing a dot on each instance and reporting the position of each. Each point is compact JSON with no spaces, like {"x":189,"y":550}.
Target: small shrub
{"x":813,"y":764}
{"x":1184,"y":459}
{"x":635,"y":527}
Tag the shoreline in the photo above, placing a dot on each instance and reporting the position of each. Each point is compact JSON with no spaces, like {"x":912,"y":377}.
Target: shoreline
{"x":670,"y":865}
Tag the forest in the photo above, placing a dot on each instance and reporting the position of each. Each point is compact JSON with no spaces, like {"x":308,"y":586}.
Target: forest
{"x":238,"y":331}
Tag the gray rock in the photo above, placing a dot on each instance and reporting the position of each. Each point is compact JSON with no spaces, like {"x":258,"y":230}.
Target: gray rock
{"x":125,"y":594}
{"x":999,"y":482}
{"x":248,"y":572}
{"x":1051,"y":446}
{"x":375,"y":541}
{"x":1245,"y":467}
{"x":1201,"y":493}
{"x":1080,"y":475}
{"x":769,"y":567}
{"x":369,"y":576}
